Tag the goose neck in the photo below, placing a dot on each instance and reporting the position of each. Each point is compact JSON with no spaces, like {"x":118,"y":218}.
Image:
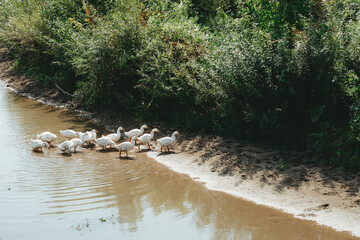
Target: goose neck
{"x":82,"y":138}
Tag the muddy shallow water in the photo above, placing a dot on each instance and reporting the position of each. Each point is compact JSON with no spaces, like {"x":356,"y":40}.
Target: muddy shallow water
{"x":94,"y":194}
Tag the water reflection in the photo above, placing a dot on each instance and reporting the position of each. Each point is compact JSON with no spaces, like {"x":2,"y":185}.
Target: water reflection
{"x":94,"y":194}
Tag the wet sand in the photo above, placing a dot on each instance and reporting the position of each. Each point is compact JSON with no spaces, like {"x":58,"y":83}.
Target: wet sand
{"x":325,"y":204}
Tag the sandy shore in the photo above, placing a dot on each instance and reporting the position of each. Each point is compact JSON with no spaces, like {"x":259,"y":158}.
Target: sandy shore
{"x":264,"y":176}
{"x":326,"y":204}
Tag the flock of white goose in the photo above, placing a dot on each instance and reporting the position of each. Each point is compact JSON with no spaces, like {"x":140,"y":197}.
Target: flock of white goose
{"x":77,"y":139}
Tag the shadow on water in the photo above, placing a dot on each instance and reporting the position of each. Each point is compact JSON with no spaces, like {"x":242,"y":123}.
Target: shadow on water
{"x":65,"y":155}
{"x":33,"y":105}
{"x":89,"y":146}
{"x":144,"y":150}
{"x":100,"y":150}
{"x":78,"y":152}
{"x":39,"y":152}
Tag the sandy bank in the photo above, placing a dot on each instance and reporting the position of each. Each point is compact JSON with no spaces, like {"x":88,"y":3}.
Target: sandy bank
{"x":327,"y":204}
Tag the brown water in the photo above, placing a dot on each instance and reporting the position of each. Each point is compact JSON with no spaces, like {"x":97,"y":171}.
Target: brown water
{"x":94,"y":194}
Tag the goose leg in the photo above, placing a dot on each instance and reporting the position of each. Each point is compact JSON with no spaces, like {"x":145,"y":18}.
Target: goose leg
{"x":126,"y":153}
{"x":149,"y":145}
{"x":120,"y":153}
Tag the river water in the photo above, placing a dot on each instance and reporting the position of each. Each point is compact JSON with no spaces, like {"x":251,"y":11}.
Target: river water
{"x":94,"y":194}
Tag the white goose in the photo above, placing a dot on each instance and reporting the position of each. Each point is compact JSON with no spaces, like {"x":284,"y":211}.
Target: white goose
{"x":145,"y":138}
{"x":93,"y":135}
{"x":115,"y":136}
{"x":126,"y":146}
{"x":90,"y":138}
{"x":66,"y":147}
{"x":104,"y":142}
{"x":167,"y":141}
{"x":79,"y":141}
{"x":37,"y":145}
{"x":47,"y":137}
{"x":81,"y":134}
{"x":69,"y":134}
{"x":136,"y":132}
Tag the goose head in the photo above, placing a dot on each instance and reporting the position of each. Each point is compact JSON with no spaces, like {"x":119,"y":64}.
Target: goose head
{"x":155,"y":130}
{"x":45,"y":144}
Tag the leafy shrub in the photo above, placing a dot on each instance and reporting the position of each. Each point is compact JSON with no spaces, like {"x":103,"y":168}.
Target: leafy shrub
{"x":280,"y":72}
{"x":173,"y":43}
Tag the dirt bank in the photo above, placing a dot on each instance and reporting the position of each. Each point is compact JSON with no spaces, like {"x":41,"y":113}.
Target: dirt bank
{"x":265,"y":176}
{"x":28,"y":87}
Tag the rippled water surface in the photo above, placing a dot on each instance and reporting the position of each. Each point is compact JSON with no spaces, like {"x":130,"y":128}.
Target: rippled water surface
{"x":93,"y":194}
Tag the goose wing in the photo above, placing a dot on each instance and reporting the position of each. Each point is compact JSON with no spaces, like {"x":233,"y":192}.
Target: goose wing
{"x":133,"y":133}
{"x":36,"y":143}
{"x":124,"y":146}
{"x":165,"y":141}
{"x":103,"y":141}
{"x":145,"y":137}
{"x":112,"y":136}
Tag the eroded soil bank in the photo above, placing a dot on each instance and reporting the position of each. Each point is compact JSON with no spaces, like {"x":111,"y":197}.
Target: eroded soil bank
{"x":265,"y":176}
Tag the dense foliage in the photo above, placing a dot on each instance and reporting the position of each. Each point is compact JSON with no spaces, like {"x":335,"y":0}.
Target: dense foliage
{"x":280,"y":72}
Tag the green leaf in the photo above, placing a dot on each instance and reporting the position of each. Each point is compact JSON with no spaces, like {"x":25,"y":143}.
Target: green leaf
{"x":315,"y":113}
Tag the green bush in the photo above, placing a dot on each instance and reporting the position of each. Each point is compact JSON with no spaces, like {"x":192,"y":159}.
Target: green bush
{"x":105,"y":59}
{"x":280,"y":72}
{"x":172,"y":44}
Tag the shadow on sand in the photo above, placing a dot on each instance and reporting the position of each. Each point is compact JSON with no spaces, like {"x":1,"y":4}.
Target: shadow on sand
{"x":126,"y":158}
{"x":167,"y":153}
